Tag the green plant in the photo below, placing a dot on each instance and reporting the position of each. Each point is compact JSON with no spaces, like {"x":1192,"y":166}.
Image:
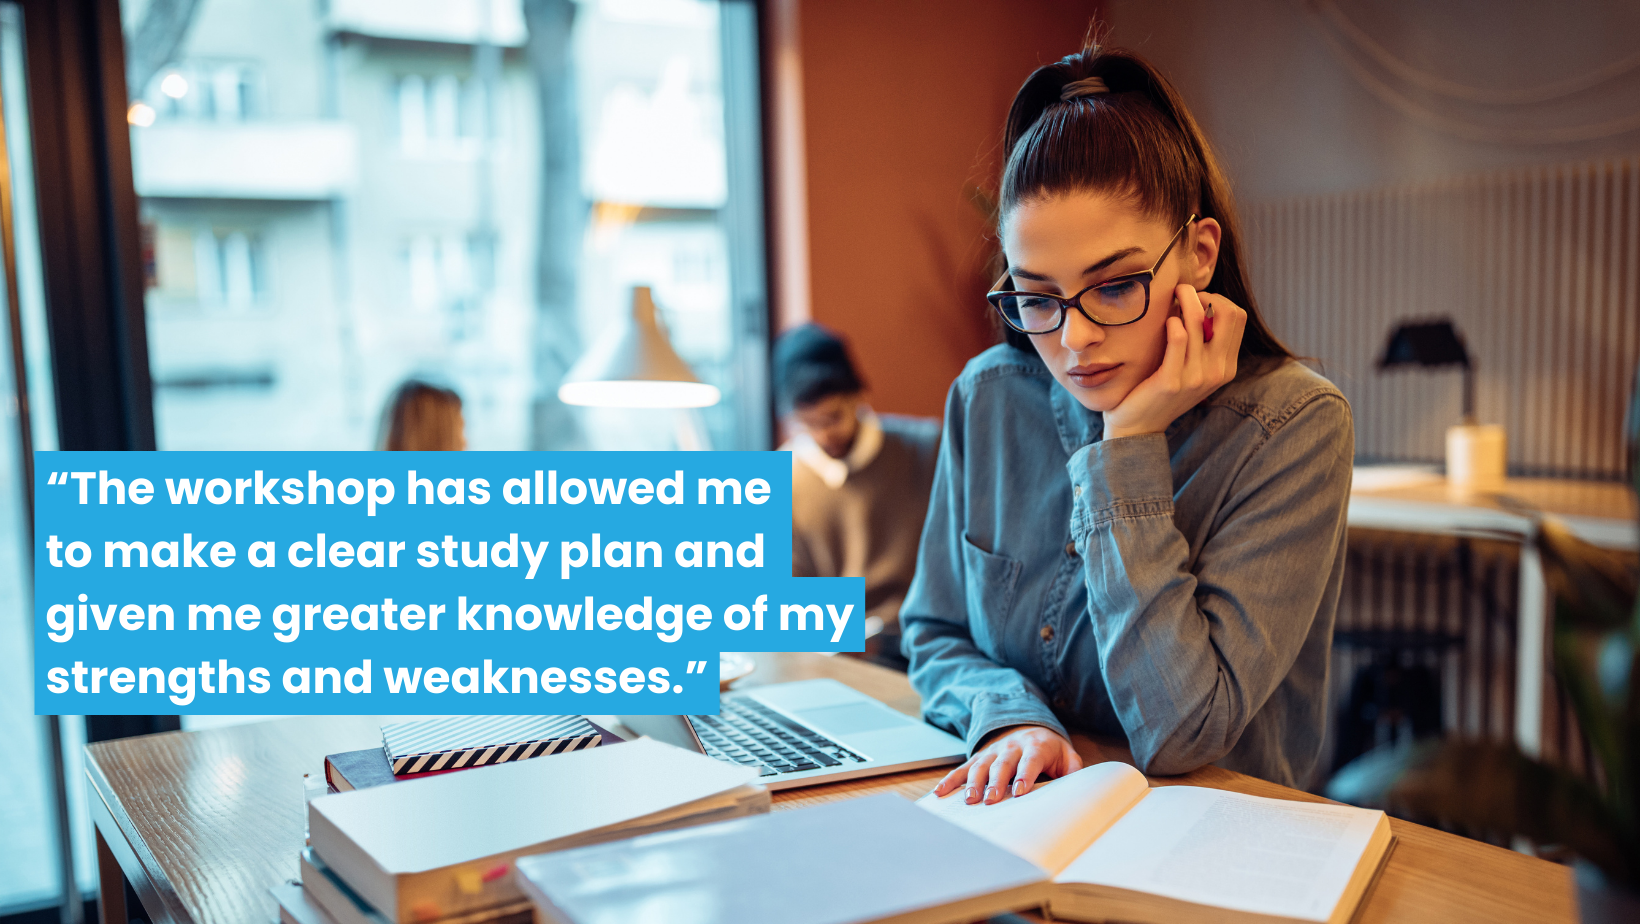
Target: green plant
{"x":1491,"y":786}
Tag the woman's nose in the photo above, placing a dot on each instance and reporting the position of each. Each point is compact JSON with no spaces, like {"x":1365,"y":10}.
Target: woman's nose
{"x":1079,"y":333}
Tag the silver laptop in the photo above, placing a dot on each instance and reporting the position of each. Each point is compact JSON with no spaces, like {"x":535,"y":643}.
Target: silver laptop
{"x":806,"y":732}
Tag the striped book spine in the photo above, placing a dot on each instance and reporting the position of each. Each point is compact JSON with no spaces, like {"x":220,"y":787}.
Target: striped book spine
{"x":455,"y":742}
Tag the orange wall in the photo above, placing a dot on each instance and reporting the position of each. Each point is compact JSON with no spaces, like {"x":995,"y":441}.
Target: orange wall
{"x":903,"y":104}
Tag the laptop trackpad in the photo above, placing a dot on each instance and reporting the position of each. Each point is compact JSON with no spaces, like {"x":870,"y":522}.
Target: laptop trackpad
{"x":852,"y":718}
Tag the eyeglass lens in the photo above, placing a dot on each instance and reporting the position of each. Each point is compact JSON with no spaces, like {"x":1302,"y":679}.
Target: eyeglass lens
{"x":1119,"y":302}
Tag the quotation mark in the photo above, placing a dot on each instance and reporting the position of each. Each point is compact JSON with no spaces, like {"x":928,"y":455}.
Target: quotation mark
{"x":57,"y":478}
{"x":696,"y":667}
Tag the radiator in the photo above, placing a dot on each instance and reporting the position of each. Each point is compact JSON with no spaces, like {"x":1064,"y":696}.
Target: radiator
{"x":1446,"y":609}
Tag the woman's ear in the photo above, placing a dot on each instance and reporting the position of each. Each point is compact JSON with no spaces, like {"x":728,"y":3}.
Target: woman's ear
{"x":1204,"y":252}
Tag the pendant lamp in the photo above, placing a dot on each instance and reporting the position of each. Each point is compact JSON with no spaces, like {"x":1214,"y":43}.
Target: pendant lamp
{"x":635,"y":366}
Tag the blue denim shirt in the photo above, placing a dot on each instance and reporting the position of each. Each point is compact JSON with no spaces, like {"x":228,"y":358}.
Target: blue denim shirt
{"x":1176,"y":589}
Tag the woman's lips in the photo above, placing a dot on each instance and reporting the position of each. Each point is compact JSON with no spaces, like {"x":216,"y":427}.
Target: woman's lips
{"x":1094,"y":375}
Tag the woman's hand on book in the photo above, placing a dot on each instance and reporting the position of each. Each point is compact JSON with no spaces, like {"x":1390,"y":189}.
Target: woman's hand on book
{"x":1193,"y":367}
{"x":1008,"y":762}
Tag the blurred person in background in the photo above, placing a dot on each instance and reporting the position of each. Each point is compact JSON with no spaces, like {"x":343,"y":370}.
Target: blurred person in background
{"x":860,"y":480}
{"x":423,"y":417}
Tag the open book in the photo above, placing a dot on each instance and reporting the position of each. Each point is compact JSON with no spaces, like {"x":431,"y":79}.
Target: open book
{"x":1117,"y":849}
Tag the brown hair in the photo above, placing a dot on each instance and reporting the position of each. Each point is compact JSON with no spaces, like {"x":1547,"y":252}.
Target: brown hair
{"x":1137,"y":140}
{"x":422,"y":417}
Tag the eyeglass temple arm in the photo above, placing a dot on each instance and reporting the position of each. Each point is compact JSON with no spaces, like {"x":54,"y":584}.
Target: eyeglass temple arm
{"x":1171,"y":244}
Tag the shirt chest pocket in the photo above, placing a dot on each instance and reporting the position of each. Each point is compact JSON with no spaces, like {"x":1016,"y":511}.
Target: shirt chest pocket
{"x":991,"y":583}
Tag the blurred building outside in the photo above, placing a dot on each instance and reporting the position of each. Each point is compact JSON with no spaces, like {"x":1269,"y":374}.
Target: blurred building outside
{"x":338,"y":195}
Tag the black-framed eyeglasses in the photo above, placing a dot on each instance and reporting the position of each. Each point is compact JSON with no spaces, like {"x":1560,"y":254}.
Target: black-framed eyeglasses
{"x":1118,"y":301}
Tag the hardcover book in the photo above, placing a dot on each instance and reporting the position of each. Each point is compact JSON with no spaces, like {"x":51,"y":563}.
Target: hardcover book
{"x":460,"y":741}
{"x":432,"y":848}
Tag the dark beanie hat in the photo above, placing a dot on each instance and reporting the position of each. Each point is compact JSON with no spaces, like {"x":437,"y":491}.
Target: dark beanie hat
{"x":811,"y":363}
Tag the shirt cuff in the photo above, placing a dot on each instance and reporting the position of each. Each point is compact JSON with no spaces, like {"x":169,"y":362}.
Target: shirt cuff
{"x":1131,"y":476}
{"x":991,"y":712}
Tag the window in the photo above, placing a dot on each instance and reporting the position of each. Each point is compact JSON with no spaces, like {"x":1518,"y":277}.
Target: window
{"x":340,"y":196}
{"x":439,"y":116}
{"x":442,"y":272}
{"x":208,"y":266}
{"x":229,"y":267}
{"x":226,"y":91}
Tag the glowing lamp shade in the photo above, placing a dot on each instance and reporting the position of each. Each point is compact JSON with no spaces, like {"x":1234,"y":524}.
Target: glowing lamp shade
{"x":635,"y":366}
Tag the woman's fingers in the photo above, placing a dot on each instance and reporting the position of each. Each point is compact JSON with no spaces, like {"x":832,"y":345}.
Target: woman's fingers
{"x":1230,"y":322}
{"x":1219,"y":356}
{"x":1031,"y":765}
{"x":1073,"y":760}
{"x":953,"y":779}
{"x":1002,"y":775}
{"x":1171,"y":372}
{"x":979,"y":773}
{"x":1191,"y":313}
{"x":1009,"y":765}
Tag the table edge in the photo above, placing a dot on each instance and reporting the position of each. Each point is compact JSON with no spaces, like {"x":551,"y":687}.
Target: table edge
{"x":158,"y":896}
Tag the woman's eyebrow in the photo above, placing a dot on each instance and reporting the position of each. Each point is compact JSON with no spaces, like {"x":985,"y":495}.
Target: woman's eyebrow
{"x":1124,"y":253}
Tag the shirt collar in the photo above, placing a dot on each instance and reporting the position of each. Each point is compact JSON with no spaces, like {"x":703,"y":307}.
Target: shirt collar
{"x":868,"y":441}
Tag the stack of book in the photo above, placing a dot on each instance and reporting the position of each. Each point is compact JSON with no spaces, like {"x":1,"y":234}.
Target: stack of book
{"x":440,"y":849}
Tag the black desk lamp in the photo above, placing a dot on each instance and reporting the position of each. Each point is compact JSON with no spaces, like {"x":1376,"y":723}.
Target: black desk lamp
{"x":1475,"y":454}
{"x":1431,"y":345}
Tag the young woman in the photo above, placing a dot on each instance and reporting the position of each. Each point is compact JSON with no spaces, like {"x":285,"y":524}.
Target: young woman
{"x":1137,"y":523}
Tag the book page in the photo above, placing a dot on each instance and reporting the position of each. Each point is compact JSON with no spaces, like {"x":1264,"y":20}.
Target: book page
{"x":1054,"y":822}
{"x":1265,"y":856}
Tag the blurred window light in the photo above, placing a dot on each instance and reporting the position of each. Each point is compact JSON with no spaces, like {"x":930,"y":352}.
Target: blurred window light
{"x":174,"y":85}
{"x":672,"y":12}
{"x":626,"y":164}
{"x":639,"y":394}
{"x":140,"y":114}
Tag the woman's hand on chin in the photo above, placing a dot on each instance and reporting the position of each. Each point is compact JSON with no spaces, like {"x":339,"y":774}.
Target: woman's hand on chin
{"x":1191,"y":369}
{"x":1008,"y":764}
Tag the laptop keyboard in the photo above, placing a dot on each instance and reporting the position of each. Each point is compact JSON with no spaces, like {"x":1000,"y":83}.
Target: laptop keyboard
{"x":748,"y":732}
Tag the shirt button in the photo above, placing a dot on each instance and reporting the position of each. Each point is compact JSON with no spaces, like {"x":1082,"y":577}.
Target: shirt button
{"x":1070,"y":549}
{"x":1078,"y":490}
{"x":1047,"y":633}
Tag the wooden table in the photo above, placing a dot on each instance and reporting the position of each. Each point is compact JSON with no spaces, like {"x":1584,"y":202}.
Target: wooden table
{"x":203,"y":823}
{"x":1598,"y":512}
